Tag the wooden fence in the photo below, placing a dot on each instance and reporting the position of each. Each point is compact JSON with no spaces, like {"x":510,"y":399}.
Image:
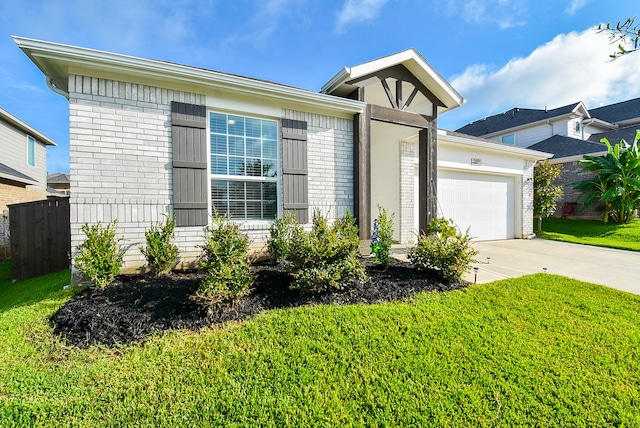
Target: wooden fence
{"x":40,"y":237}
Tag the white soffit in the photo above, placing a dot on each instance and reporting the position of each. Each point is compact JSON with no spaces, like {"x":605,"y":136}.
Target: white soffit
{"x":414,"y":62}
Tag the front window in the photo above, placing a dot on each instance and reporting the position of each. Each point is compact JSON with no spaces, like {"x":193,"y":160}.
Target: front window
{"x":244,"y":165}
{"x":31,"y":151}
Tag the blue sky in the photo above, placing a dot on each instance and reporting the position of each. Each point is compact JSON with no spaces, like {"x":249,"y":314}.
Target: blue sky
{"x":497,"y":53}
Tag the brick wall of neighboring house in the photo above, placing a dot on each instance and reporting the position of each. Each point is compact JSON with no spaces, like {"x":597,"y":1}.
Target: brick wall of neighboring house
{"x":120,"y":163}
{"x":572,"y":172}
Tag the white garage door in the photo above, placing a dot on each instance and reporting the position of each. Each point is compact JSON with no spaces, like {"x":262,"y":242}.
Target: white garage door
{"x":483,"y":203}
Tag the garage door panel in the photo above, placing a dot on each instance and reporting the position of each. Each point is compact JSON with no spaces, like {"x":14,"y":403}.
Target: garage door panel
{"x":482,"y":203}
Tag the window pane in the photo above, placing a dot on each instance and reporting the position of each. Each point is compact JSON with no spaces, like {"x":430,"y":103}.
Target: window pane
{"x":219,"y":189}
{"x":31,"y":151}
{"x":270,"y":149}
{"x":218,"y":123}
{"x":509,"y":139}
{"x":236,"y":210}
{"x":236,"y":125}
{"x":253,"y":127}
{"x":253,"y":167}
{"x":269,"y":210}
{"x":253,"y":147}
{"x":254,"y":210}
{"x":219,"y":165}
{"x":236,"y":166}
{"x":269,"y":130}
{"x":269,"y":191}
{"x":236,"y":190}
{"x":254,"y":191}
{"x":268,"y":168}
{"x":236,"y":146}
{"x":218,"y":144}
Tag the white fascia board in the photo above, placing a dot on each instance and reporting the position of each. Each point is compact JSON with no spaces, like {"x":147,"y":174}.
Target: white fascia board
{"x":8,"y":117}
{"x":58,"y":61}
{"x":594,"y":121}
{"x":576,"y":157}
{"x":528,"y":154}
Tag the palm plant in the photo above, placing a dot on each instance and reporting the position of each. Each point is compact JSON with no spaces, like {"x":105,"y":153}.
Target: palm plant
{"x":616,"y":183}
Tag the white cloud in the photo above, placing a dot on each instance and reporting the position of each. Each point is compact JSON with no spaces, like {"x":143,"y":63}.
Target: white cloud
{"x":572,"y":67}
{"x":503,"y":13}
{"x":575,"y":5}
{"x":355,"y":11}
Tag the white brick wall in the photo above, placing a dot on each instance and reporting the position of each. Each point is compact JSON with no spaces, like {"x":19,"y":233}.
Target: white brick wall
{"x":407,"y":222}
{"x":120,"y":162}
{"x":527,"y":199}
{"x":120,"y":148}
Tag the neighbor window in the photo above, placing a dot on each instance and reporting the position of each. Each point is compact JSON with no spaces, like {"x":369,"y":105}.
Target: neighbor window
{"x":509,"y":139}
{"x":577,"y":126}
{"x":244,"y":165}
{"x":31,"y":151}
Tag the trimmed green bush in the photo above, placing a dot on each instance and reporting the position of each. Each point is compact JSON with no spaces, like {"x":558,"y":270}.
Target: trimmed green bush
{"x":327,"y":256}
{"x":382,"y":237}
{"x":225,"y":261}
{"x":443,"y":249}
{"x":281,"y":234}
{"x":160,"y":253}
{"x":100,"y":256}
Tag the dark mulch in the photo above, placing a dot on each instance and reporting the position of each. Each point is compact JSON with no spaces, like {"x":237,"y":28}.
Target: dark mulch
{"x":137,"y":306}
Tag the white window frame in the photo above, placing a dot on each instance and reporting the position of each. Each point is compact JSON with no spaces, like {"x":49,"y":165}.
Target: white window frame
{"x":31,"y":142}
{"x":277,"y":179}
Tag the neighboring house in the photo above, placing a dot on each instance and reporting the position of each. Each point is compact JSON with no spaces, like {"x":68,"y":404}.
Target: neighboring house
{"x":58,"y":184}
{"x":567,"y":132}
{"x":23,"y":161}
{"x":149,"y":137}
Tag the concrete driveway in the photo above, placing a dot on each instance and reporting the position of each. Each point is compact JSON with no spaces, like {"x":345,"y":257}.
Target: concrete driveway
{"x":517,"y":257}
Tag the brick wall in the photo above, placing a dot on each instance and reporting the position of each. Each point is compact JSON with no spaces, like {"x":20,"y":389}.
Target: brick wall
{"x":572,"y":172}
{"x":12,"y":194}
{"x":407,"y":221}
{"x":527,"y":200}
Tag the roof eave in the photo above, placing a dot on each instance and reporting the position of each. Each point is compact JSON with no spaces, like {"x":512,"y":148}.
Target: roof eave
{"x":28,"y":129}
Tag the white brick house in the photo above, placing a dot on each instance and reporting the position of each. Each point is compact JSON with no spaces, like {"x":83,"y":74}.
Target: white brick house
{"x":149,"y":137}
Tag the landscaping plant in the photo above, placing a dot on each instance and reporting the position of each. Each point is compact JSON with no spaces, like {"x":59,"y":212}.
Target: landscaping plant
{"x":281,"y":234}
{"x":545,"y":193}
{"x":443,"y":249}
{"x":616,"y":183}
{"x":382,"y":237}
{"x":225,"y":262}
{"x":100,"y":255}
{"x":160,"y":253}
{"x":327,"y":256}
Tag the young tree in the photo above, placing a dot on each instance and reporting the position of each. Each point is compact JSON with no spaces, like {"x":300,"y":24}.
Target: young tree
{"x":545,"y":193}
{"x":616,"y":183}
{"x":625,"y":33}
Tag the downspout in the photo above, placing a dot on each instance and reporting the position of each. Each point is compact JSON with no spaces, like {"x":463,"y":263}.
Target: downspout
{"x":55,"y":89}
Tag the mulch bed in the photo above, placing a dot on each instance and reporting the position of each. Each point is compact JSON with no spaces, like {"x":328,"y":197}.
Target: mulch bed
{"x":134,"y":307}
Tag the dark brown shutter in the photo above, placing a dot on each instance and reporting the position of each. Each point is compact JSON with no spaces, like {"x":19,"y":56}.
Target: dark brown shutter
{"x":294,"y":169}
{"x":189,"y":136}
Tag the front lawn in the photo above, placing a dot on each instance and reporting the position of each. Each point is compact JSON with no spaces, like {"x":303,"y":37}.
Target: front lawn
{"x":538,"y":350}
{"x":592,"y":232}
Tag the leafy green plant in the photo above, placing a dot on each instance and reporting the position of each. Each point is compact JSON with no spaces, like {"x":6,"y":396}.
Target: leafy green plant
{"x":100,"y":256}
{"x":281,"y":234}
{"x":327,"y":256}
{"x":160,"y":253}
{"x":545,"y":193}
{"x":382,"y":237}
{"x":443,"y":249}
{"x":616,"y":183}
{"x":225,"y":261}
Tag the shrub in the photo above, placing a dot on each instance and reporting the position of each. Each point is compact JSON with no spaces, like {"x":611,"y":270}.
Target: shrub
{"x":100,"y":255}
{"x":327,"y":256}
{"x":444,"y":249}
{"x":160,"y":253}
{"x":225,"y":261}
{"x":382,"y":237}
{"x":281,"y":234}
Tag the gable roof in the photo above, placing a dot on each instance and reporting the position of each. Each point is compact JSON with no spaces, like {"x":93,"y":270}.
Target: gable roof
{"x":58,"y":177}
{"x":618,"y":112}
{"x":11,"y":174}
{"x":517,"y":117}
{"x":562,"y":147}
{"x":9,"y":118}
{"x":413,"y":62}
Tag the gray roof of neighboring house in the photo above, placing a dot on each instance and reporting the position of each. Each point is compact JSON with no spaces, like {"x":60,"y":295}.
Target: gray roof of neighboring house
{"x":15,"y":175}
{"x":618,"y":112}
{"x":58,"y":177}
{"x":562,"y":147}
{"x":627,"y":134}
{"x":513,"y":118}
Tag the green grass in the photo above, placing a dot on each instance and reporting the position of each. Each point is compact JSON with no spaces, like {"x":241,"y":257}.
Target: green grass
{"x":540,"y":350}
{"x":592,"y":232}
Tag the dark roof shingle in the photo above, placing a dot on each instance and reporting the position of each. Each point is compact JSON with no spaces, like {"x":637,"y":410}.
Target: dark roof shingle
{"x":562,"y":146}
{"x":618,"y":112}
